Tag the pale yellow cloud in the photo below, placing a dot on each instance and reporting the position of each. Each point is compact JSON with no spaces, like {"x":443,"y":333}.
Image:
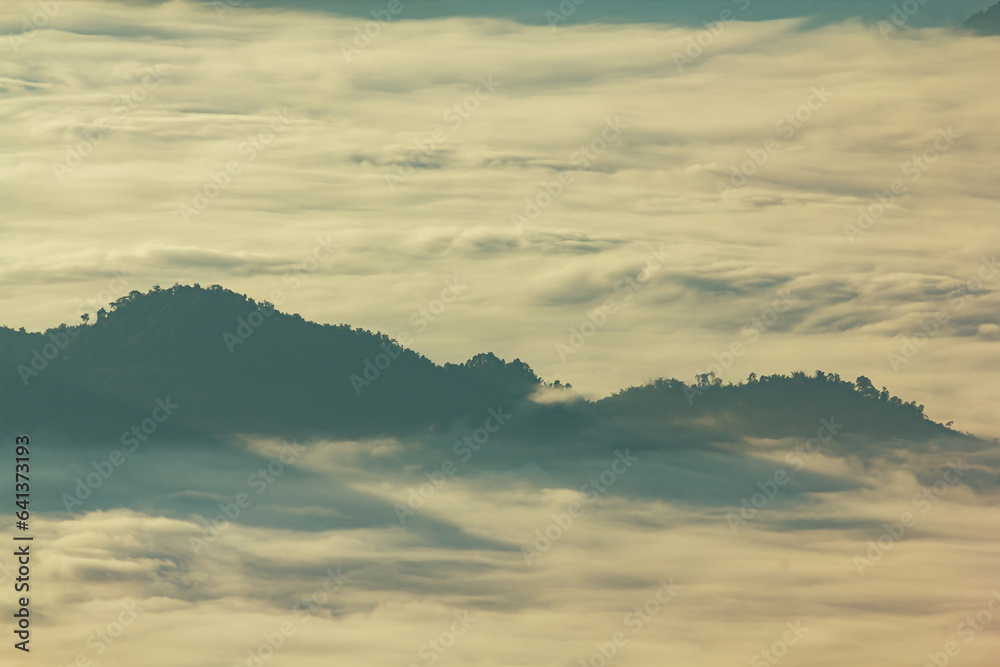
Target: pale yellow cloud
{"x":311,"y":139}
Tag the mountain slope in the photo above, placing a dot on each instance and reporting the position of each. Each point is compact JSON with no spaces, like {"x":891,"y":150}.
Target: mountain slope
{"x":986,"y":22}
{"x":233,"y":365}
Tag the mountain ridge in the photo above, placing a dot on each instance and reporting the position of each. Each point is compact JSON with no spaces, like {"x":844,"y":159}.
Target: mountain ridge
{"x":985,"y":21}
{"x":238,"y":365}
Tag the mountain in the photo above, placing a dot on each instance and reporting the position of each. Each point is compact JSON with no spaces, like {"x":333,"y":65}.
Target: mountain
{"x":986,"y":21}
{"x":233,"y":365}
{"x":236,"y":365}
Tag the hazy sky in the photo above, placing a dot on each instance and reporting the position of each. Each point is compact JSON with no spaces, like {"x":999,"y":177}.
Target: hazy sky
{"x":685,"y":12}
{"x":355,"y":121}
{"x":810,"y":181}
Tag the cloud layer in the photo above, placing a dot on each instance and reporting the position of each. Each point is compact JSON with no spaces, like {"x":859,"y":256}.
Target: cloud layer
{"x":122,"y":123}
{"x":645,"y":196}
{"x":563,"y":585}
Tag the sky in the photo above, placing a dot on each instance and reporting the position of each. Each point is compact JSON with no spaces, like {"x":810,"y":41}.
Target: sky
{"x":677,"y":12}
{"x":369,"y":152}
{"x":625,"y":195}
